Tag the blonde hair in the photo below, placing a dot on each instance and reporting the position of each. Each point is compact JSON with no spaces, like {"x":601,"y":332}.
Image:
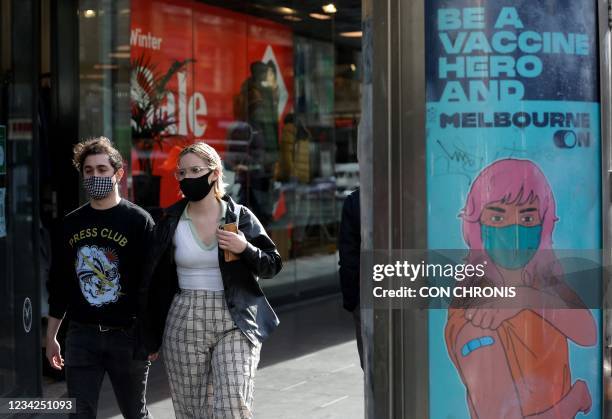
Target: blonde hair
{"x":211,"y":159}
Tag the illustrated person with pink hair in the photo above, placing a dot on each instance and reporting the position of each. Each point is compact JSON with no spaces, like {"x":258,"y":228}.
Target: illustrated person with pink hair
{"x":514,"y":362}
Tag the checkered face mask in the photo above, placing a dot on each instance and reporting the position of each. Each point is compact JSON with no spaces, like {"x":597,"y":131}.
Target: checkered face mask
{"x":98,"y":187}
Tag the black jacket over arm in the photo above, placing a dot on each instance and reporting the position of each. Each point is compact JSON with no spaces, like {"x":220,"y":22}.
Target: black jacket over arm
{"x":246,"y":301}
{"x":349,"y":247}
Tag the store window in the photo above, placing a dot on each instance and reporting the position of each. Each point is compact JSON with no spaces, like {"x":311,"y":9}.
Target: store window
{"x":21,"y":252}
{"x":104,"y":74}
{"x":273,"y":87}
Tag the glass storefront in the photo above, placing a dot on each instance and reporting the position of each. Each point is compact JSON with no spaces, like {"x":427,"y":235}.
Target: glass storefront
{"x":104,"y":73}
{"x":19,"y":228}
{"x":275,"y":89}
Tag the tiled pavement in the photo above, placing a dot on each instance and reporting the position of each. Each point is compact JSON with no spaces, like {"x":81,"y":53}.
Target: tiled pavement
{"x":309,"y":369}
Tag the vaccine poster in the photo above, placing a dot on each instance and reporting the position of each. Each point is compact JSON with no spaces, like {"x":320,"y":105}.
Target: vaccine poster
{"x":513,"y":159}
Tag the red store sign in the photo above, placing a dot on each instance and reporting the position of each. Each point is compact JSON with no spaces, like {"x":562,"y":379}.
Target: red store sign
{"x":204,"y":55}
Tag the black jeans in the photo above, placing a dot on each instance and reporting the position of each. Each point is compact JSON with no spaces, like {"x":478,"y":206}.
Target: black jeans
{"x":357,"y":321}
{"x":90,"y":353}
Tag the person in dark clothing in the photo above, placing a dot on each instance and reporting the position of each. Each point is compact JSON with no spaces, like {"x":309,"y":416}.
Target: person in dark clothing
{"x":349,"y":247}
{"x":257,"y":104}
{"x":96,"y":284}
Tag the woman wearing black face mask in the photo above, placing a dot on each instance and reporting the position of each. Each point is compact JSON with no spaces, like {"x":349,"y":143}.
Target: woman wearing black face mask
{"x":205,"y":308}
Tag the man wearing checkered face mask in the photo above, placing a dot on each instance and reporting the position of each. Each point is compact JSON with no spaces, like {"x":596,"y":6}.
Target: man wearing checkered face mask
{"x":96,"y":281}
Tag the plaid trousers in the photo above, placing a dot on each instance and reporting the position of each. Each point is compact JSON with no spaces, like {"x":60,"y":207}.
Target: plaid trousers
{"x":210,"y":363}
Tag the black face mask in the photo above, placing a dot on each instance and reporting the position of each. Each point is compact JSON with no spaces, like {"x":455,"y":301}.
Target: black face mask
{"x":196,"y":188}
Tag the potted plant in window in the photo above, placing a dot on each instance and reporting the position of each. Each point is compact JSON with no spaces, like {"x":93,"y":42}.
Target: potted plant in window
{"x":150,"y":124}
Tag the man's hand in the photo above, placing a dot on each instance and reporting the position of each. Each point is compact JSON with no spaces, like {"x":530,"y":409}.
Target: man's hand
{"x":53,"y":354}
{"x":53,"y":347}
{"x":153,"y":357}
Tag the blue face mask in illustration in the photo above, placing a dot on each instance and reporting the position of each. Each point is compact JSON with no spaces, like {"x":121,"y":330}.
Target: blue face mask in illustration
{"x":512,"y":246}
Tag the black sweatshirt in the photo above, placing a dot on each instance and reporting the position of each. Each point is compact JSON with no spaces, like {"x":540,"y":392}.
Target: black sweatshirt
{"x":96,"y":279}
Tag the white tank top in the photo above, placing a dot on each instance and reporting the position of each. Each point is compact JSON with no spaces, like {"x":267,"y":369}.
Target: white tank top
{"x":197,"y":264}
